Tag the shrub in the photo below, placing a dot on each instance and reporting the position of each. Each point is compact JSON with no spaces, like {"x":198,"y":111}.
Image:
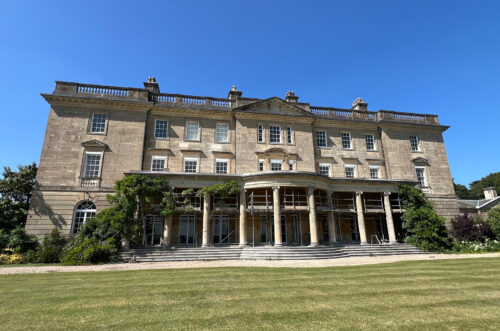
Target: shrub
{"x":89,"y":251}
{"x":106,"y":224}
{"x":11,"y":256}
{"x":424,"y":228}
{"x":465,"y":228}
{"x":466,"y":246}
{"x":18,"y":238}
{"x":52,"y":248}
{"x":494,"y":221}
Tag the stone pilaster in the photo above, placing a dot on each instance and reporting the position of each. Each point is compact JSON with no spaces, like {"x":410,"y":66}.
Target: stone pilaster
{"x":313,"y":224}
{"x":388,"y":218}
{"x":206,"y":221}
{"x":243,"y":218}
{"x":361,"y":218}
{"x":277,"y":216}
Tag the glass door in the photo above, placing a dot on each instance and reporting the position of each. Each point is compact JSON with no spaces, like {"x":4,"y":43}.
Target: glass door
{"x":154,"y":230}
{"x":263,"y":229}
{"x":221,"y":229}
{"x":296,"y":230}
{"x":187,"y":230}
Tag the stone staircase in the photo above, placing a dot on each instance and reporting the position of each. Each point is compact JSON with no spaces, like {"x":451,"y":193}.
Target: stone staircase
{"x":265,"y":252}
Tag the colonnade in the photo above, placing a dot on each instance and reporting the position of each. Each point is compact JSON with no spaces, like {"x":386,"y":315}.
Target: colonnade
{"x":313,"y":223}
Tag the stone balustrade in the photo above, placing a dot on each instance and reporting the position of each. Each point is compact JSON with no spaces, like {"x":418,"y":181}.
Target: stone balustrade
{"x":114,"y":92}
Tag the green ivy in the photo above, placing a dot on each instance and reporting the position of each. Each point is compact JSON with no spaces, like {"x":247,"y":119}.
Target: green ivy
{"x":222,"y":190}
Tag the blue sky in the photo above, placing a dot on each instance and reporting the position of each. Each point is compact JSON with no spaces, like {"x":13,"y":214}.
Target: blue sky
{"x":439,"y":57}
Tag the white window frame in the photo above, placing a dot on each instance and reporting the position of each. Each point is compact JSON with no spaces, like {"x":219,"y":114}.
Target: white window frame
{"x":348,"y":135}
{"x":280,"y":162}
{"x":156,"y":128}
{"x":378,"y":172}
{"x":217,"y":132}
{"x":271,"y":135}
{"x":198,"y":133}
{"x":413,"y":143}
{"x":346,"y":166}
{"x":291,"y":165}
{"x":85,"y":164}
{"x":324,"y":165}
{"x":157,"y":157}
{"x":91,"y":129}
{"x":191,"y":159}
{"x":260,"y":134}
{"x":261,"y":165}
{"x":226,"y":161}
{"x":318,"y":138}
{"x":373,"y":142}
{"x":417,"y":168}
{"x":86,"y":215}
{"x":289,"y":136}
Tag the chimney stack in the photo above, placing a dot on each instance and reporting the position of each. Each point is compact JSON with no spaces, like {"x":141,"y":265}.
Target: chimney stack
{"x":360,"y":105}
{"x":152,"y":86}
{"x":490,"y":192}
{"x":291,"y":97}
{"x":234,"y":94}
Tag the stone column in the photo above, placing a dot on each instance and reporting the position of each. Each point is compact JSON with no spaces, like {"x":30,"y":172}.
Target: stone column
{"x":206,"y":221}
{"x":167,"y":232}
{"x":331,"y":228}
{"x":313,"y":224}
{"x":361,"y":218}
{"x":388,"y":218}
{"x":277,"y":216}
{"x":243,"y":218}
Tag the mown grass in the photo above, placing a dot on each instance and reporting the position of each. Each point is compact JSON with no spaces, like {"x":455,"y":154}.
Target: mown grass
{"x":443,"y":294}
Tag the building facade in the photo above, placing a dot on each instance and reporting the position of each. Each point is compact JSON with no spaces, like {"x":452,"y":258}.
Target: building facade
{"x":327,"y":174}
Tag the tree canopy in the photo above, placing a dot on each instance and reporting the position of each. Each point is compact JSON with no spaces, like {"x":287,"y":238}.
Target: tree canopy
{"x":475,"y":190}
{"x":15,"y":195}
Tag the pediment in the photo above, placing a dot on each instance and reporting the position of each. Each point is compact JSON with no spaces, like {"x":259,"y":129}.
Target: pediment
{"x":420,"y":161}
{"x":94,"y":144}
{"x":274,"y":106}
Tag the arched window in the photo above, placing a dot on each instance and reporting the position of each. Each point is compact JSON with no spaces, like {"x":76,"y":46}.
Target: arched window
{"x":84,"y":210}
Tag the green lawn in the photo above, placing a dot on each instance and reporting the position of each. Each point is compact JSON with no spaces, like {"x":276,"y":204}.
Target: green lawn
{"x":444,"y":294}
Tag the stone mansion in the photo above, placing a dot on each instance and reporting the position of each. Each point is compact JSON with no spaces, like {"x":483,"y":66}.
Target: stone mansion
{"x":309,"y":175}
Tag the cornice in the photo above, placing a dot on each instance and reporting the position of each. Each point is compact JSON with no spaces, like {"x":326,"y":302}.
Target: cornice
{"x":63,"y":100}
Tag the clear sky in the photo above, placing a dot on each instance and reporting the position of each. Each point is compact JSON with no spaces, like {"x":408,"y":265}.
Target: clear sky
{"x":438,"y":57}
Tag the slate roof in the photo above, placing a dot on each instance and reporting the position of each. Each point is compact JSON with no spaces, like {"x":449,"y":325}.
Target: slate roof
{"x":462,"y":203}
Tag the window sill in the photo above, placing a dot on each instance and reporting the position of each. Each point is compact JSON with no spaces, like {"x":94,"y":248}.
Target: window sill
{"x":417,"y":151}
{"x":222,"y":142}
{"x":192,"y":141}
{"x":348,"y":149}
{"x":168,"y":138}
{"x":97,"y":133}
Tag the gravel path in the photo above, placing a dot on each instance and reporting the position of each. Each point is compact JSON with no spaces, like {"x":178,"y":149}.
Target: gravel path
{"x":241,"y":263}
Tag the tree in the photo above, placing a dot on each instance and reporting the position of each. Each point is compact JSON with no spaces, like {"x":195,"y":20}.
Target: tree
{"x":465,"y":228}
{"x":15,"y":195}
{"x":477,"y":187}
{"x":423,"y":226}
{"x":494,"y":221}
{"x":461,"y":191}
{"x":134,"y":195}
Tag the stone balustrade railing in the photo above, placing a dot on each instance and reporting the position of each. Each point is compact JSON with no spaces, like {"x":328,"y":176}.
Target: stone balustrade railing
{"x":114,"y":92}
{"x":381,"y":115}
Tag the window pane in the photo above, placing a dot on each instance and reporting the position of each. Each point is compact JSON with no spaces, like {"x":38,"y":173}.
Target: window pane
{"x":260,"y":133}
{"x":275,"y":134}
{"x":349,"y":172}
{"x":276,"y":165}
{"x":190,"y":166}
{"x":346,"y":140}
{"x":221,"y":167}
{"x":192,"y":129}
{"x":288,"y":135}
{"x":83,"y":212}
{"x":161,"y":129}
{"x":92,"y":162}
{"x":98,"y":123}
{"x":414,"y":143}
{"x":158,"y":164}
{"x":321,"y":139}
{"x":370,"y":142}
{"x":291,"y":165}
{"x":221,"y":133}
{"x":261,"y":165}
{"x":374,"y":173}
{"x":421,"y":177}
{"x":324,"y":169}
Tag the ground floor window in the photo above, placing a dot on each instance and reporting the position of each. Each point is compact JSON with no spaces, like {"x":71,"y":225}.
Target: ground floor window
{"x":154,"y":230}
{"x":221,"y":229}
{"x":84,"y":211}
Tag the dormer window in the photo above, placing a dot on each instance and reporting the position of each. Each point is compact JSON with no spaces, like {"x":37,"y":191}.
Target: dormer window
{"x":275,"y":134}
